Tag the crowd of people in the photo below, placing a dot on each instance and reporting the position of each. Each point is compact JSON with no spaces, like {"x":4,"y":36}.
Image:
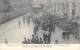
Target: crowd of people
{"x":37,"y":40}
{"x":34,"y":40}
{"x":47,"y":27}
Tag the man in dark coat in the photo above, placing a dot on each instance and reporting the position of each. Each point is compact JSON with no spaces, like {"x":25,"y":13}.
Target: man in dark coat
{"x":6,"y":41}
{"x":66,"y":35}
{"x":25,"y":41}
{"x":37,"y":40}
{"x":33,"y":39}
{"x":45,"y":38}
{"x":63,"y":35}
{"x":49,"y":38}
{"x":40,"y":42}
{"x":28,"y":41}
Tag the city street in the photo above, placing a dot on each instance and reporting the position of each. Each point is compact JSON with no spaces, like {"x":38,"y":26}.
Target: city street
{"x":16,"y":34}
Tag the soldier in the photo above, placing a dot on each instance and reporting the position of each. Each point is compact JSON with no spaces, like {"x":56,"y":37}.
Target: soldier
{"x":24,"y":19}
{"x":36,"y":27}
{"x":19,"y":22}
{"x":28,"y":19}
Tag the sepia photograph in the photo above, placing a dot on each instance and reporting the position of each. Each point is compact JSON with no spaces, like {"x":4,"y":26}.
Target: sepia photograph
{"x":39,"y":21}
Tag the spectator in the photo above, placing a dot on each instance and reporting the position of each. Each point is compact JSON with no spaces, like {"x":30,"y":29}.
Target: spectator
{"x":6,"y":41}
{"x":66,"y":35}
{"x":45,"y":38}
{"x":25,"y":41}
{"x":28,"y":41}
{"x":40,"y":42}
{"x":37,"y":40}
{"x":56,"y":41}
{"x":63,"y":35}
{"x":49,"y":38}
{"x":33,"y":39}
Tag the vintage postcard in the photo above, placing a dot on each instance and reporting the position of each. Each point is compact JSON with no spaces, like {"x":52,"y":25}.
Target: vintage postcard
{"x":45,"y":23}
